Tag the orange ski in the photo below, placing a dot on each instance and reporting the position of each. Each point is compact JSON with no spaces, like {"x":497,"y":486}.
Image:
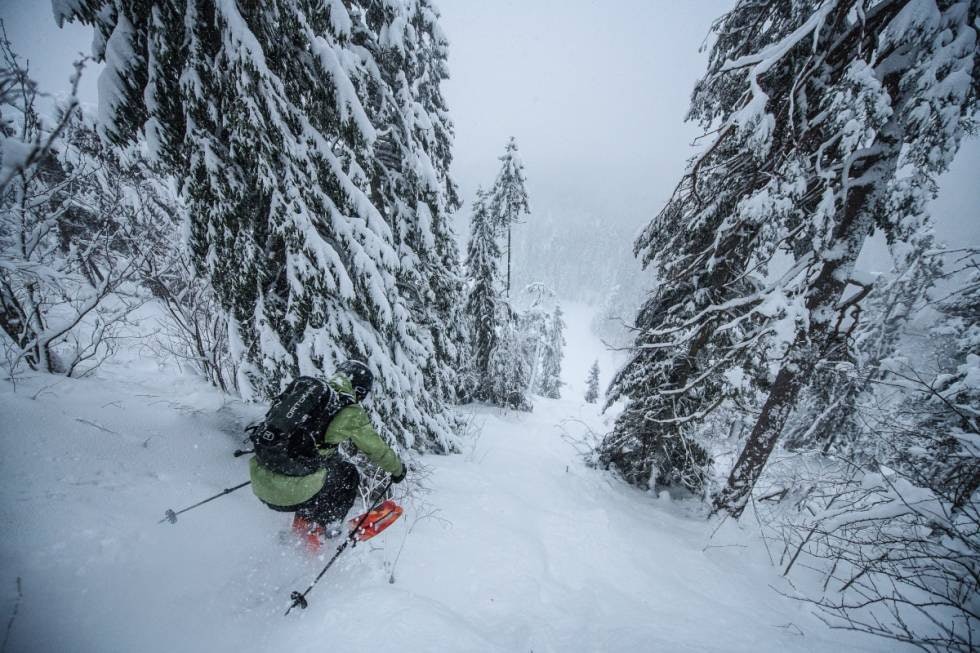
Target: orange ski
{"x":375,"y":521}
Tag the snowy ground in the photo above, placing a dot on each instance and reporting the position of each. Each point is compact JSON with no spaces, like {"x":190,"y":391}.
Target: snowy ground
{"x":515,"y":545}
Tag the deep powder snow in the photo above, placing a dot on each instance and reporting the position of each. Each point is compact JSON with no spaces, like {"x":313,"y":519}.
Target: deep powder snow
{"x":512,"y":545}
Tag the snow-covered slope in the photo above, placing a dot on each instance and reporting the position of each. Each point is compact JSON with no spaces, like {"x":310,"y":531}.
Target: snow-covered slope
{"x":512,"y":545}
{"x":582,"y":348}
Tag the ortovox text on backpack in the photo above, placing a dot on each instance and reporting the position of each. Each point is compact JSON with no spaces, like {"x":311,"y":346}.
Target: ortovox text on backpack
{"x":285,"y":441}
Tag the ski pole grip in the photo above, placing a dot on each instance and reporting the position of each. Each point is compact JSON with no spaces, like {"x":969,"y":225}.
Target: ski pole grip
{"x":242,"y":452}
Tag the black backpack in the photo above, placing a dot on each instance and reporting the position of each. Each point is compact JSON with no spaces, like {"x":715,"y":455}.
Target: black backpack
{"x":285,"y":440}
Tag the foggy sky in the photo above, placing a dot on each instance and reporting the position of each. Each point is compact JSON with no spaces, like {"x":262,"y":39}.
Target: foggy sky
{"x":594,"y":91}
{"x":50,"y":51}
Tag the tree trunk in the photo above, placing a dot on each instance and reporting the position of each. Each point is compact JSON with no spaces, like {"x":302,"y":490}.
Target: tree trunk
{"x":508,"y":260}
{"x":785,"y":389}
{"x":875,"y":167}
{"x":810,"y":346}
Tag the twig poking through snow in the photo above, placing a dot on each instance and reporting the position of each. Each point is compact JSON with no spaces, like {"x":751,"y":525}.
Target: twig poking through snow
{"x":721,"y":522}
{"x":93,"y":424}
{"x":13,"y":615}
{"x":793,"y":628}
{"x":431,"y":513}
{"x":583,"y":444}
{"x":43,"y":390}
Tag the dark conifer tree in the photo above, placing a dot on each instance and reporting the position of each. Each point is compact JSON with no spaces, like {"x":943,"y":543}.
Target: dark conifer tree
{"x":592,"y":384}
{"x":510,"y":366}
{"x":500,"y":366}
{"x":313,"y":147}
{"x":874,"y":113}
{"x":508,"y":197}
{"x":411,"y":182}
{"x":552,"y":351}
{"x":482,"y":299}
{"x":811,"y":110}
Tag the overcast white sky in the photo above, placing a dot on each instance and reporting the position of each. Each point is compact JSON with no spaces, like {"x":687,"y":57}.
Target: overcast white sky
{"x":594,"y":91}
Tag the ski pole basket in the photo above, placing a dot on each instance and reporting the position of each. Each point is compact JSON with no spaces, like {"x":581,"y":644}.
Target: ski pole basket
{"x":383,"y":516}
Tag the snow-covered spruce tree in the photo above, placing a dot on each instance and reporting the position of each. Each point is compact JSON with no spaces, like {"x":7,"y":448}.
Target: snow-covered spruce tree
{"x":532,"y":323}
{"x":805,"y":105}
{"x":697,"y":324}
{"x":508,"y":197}
{"x":412,"y":186}
{"x":549,"y":378}
{"x":500,"y":371}
{"x":482,"y":298}
{"x":670,"y":387}
{"x":592,"y":384}
{"x":828,"y":416}
{"x":860,"y":105}
{"x":510,"y":366}
{"x":269,"y":114}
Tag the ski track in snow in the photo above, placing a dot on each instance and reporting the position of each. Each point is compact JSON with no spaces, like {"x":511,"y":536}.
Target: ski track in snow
{"x":515,"y":545}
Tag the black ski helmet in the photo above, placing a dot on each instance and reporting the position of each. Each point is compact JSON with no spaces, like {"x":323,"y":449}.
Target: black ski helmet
{"x":360,"y":377}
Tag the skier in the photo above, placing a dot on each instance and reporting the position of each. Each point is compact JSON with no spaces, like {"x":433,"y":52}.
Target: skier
{"x":323,"y":498}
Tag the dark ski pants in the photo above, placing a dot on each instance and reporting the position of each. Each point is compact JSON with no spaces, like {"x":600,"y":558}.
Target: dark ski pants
{"x":335,"y":498}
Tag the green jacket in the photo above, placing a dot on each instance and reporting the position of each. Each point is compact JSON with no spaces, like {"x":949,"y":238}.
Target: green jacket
{"x":351,"y":423}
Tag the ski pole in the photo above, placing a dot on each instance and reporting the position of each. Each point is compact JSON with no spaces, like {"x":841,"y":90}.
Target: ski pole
{"x":171,"y":516}
{"x":300,"y":599}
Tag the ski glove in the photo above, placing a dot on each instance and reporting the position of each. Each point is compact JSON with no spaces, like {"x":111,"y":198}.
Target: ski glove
{"x":398,"y":478}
